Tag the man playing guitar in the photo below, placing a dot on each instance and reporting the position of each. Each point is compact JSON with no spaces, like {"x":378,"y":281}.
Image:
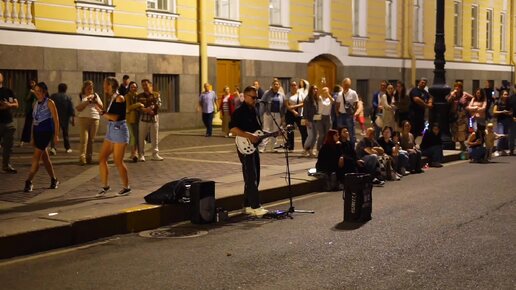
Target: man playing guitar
{"x":243,"y":121}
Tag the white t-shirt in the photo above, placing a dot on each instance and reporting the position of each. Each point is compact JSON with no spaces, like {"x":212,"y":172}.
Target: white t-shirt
{"x":350,"y":97}
{"x":90,"y":111}
{"x":324,"y":106}
{"x":293,"y":100}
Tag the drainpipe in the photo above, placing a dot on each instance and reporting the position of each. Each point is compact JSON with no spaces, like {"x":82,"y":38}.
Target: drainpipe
{"x":511,"y":39}
{"x":410,"y":44}
{"x":203,"y":44}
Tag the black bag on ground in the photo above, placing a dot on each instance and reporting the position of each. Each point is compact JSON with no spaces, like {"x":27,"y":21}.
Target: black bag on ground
{"x":177,"y":191}
{"x":358,"y":197}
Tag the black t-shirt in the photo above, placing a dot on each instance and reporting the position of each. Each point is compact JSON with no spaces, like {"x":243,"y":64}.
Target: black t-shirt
{"x":386,"y":145}
{"x":118,"y":109}
{"x":6,"y":95}
{"x":424,"y":95}
{"x":245,"y":119}
{"x":503,"y":106}
{"x":365,"y":143}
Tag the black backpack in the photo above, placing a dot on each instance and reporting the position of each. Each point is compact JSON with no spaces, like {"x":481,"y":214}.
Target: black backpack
{"x":177,"y":191}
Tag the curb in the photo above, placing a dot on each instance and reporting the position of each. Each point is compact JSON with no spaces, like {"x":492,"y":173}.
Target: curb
{"x":143,"y":217}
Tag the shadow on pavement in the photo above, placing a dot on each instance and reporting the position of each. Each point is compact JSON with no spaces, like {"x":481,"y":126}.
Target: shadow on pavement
{"x":348,"y":226}
{"x":52,"y":204}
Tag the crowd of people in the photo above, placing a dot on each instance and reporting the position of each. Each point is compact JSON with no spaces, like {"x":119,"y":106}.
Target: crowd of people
{"x":132,"y":119}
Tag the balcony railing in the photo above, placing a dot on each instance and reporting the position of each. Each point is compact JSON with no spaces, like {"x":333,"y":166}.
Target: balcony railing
{"x":278,"y":37}
{"x":17,"y":14}
{"x":227,"y":31}
{"x":93,"y":18}
{"x":161,"y":25}
{"x":359,"y":45}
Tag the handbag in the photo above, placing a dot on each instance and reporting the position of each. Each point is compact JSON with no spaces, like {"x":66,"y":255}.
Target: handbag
{"x":379,"y":121}
{"x":317,"y":117}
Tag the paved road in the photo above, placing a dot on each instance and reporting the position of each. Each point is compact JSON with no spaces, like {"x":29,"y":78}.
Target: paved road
{"x":452,"y":227}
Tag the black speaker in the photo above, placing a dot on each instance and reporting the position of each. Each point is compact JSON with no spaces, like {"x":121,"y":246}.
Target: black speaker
{"x":202,"y":202}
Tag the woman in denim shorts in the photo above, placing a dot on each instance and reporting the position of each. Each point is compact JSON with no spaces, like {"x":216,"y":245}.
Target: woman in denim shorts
{"x":117,"y":137}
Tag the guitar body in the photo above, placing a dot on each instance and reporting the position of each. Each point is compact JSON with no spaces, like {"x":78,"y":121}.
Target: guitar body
{"x":245,"y":146}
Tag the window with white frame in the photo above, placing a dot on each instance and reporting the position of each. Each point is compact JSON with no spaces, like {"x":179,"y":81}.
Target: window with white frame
{"x":503,"y":37}
{"x":227,"y":9}
{"x":418,"y":21}
{"x":457,"y":23}
{"x":322,"y":18}
{"x":489,"y":29}
{"x":164,"y":5}
{"x":390,"y":19}
{"x":279,"y":13}
{"x":360,"y":18}
{"x":474,"y":26}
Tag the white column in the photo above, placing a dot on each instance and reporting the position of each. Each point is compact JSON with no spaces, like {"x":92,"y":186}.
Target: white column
{"x":103,"y":25}
{"x":91,"y":22}
{"x":8,"y":12}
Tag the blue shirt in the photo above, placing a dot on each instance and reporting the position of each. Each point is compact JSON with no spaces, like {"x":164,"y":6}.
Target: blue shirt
{"x":207,"y":100}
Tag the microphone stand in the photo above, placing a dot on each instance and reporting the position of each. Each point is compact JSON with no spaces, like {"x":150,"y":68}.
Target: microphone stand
{"x":291,"y":209}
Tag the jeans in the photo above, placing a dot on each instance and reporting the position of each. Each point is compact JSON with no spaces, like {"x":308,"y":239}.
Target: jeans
{"x":477,"y":153}
{"x":143,"y":129}
{"x":251,"y":173}
{"x":291,"y":120}
{"x":6,"y":139}
{"x":348,"y":121}
{"x":402,"y":160}
{"x":504,"y":127}
{"x":322,"y":126}
{"x":312,"y":135}
{"x":207,"y":119}
{"x":270,"y":126}
{"x":434,"y":153}
{"x":88,"y":128}
{"x":372,"y":165}
{"x":66,"y":138}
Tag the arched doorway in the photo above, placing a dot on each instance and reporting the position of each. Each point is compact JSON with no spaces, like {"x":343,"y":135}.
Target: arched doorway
{"x":322,"y":72}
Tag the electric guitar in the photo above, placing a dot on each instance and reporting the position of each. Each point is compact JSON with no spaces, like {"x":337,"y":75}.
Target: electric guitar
{"x":246,"y":147}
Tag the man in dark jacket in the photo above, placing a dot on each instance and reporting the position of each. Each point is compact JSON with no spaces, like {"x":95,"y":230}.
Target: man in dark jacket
{"x":66,"y":115}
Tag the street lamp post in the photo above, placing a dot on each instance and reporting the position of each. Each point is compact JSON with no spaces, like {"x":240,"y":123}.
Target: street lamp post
{"x":439,"y":89}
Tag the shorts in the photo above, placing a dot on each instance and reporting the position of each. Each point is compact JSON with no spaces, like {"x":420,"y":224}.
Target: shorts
{"x":117,"y":132}
{"x":42,"y":139}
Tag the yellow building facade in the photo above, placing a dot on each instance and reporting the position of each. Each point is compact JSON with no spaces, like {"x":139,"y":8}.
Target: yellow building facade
{"x":180,"y":44}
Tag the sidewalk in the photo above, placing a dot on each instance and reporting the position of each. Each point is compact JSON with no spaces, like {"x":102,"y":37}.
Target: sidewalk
{"x":47,"y":219}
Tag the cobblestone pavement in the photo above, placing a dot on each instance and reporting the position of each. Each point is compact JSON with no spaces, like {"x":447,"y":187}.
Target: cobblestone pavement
{"x":187,"y":153}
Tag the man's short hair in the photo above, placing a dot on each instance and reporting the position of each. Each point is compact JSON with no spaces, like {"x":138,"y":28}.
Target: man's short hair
{"x":249,"y":89}
{"x":62,"y":88}
{"x":125,"y":77}
{"x":423,"y":79}
{"x":146,"y":81}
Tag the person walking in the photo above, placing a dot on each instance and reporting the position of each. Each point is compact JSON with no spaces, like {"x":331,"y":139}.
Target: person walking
{"x":243,"y":124}
{"x":117,"y":137}
{"x":208,"y":106}
{"x":227,"y":107}
{"x":45,"y":127}
{"x":346,"y":104}
{"x":149,"y":120}
{"x":66,"y":114}
{"x":310,"y":109}
{"x":8,"y":102}
{"x":88,"y":121}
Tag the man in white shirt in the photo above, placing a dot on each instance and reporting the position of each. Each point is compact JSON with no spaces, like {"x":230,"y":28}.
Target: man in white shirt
{"x":346,"y":105}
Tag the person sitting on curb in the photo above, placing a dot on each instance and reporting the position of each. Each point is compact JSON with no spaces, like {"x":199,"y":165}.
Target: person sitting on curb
{"x":330,"y":161}
{"x":477,"y":151}
{"x":369,"y":151}
{"x":393,"y":149}
{"x":432,"y":146}
{"x":408,"y":144}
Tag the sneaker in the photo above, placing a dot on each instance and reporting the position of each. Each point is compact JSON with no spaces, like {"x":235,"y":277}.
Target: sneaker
{"x":247,"y":210}
{"x":496,"y":154}
{"x":258,"y":212}
{"x":54,"y":183}
{"x":435,"y":164}
{"x":52,"y":151}
{"x":103,"y":191}
{"x":69,"y":150}
{"x":398,"y":177}
{"x":28,"y":186}
{"x":156,"y":157}
{"x":142,"y":158}
{"x":378,"y":182}
{"x":124,"y":191}
{"x":9,"y":169}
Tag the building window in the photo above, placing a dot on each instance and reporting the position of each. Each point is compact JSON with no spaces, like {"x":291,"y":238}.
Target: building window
{"x":474,"y":26}
{"x":360,"y":18}
{"x":227,"y":9}
{"x":279,"y":13}
{"x":475,"y":85}
{"x":319,"y":15}
{"x":489,"y":29}
{"x":18,"y":81}
{"x":168,"y":87}
{"x":98,"y":81}
{"x":363,"y":92}
{"x":390,"y":19}
{"x":285,"y":84}
{"x":503,"y":38}
{"x":418,"y":21}
{"x":457,"y":23}
{"x":163,"y":5}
